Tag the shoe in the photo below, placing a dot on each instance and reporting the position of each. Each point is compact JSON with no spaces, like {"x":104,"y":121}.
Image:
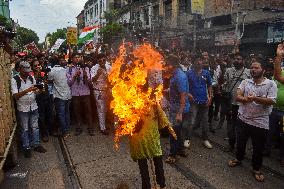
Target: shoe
{"x":40,"y":149}
{"x":78,"y":132}
{"x":66,"y":135}
{"x":55,"y":133}
{"x":186,"y":143}
{"x":91,"y":132}
{"x":28,"y":153}
{"x":220,"y":125}
{"x":282,"y":162}
{"x":182,"y":153}
{"x":229,"y":148}
{"x":104,"y":132}
{"x":212,"y":130}
{"x":45,"y":138}
{"x":207,"y":144}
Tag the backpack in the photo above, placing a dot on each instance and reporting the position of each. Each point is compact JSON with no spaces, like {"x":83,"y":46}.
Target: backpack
{"x":18,"y":81}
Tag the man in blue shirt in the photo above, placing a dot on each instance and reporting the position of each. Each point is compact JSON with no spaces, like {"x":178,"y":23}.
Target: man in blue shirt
{"x":200,"y":94}
{"x":179,"y":105}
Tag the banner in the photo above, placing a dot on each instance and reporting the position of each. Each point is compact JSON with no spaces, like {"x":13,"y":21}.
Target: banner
{"x":32,"y":48}
{"x":197,"y":7}
{"x":56,"y":45}
{"x":72,"y":36}
{"x":226,"y":38}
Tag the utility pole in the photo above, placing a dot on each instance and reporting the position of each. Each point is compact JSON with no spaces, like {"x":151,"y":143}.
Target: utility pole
{"x":194,"y":31}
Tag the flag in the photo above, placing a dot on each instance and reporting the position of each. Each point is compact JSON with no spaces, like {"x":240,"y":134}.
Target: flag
{"x":87,"y":34}
{"x":56,"y":45}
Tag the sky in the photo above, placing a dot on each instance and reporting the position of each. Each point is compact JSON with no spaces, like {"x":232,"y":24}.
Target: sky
{"x":45,"y":16}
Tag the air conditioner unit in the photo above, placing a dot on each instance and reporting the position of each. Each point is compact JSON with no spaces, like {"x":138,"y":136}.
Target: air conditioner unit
{"x":207,"y":24}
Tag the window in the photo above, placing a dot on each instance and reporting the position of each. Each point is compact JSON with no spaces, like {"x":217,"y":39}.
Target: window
{"x":168,"y":9}
{"x":146,"y":16}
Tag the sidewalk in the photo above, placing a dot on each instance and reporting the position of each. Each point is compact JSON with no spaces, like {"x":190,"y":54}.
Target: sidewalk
{"x":42,"y":171}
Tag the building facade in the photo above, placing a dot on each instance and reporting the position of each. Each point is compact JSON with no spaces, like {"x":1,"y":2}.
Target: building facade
{"x":94,"y":11}
{"x":218,"y":23}
{"x":80,"y":21}
{"x":4,"y":8}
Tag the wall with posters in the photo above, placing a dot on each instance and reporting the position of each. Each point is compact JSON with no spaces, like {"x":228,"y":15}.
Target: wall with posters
{"x":275,"y":33}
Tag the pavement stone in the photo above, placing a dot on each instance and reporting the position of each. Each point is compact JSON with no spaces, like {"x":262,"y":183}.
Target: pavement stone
{"x":99,"y":165}
{"x":42,"y":171}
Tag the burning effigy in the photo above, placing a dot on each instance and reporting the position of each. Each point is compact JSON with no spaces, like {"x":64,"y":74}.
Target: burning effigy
{"x":136,"y":105}
{"x":133,"y":97}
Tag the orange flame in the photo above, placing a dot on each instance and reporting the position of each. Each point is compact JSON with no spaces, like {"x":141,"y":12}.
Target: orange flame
{"x":130,"y":99}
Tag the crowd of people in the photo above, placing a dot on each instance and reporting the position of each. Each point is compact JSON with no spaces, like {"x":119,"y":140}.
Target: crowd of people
{"x":199,"y":88}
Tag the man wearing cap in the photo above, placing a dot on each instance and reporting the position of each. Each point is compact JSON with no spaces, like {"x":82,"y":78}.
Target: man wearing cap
{"x":24,"y":92}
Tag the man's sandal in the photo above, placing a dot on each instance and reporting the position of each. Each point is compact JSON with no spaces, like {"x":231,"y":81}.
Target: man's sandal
{"x":171,"y":159}
{"x":258,"y":176}
{"x":234,"y":163}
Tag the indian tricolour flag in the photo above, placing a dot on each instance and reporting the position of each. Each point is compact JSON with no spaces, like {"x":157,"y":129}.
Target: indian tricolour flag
{"x":87,"y":34}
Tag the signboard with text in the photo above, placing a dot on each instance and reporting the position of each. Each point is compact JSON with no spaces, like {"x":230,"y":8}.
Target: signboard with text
{"x":225,"y":38}
{"x":72,"y":36}
{"x":197,"y":7}
{"x":275,"y":33}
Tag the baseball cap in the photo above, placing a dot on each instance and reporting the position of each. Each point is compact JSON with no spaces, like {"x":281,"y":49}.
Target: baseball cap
{"x":25,"y":66}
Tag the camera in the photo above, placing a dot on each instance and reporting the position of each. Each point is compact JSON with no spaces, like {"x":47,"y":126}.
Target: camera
{"x":40,"y":86}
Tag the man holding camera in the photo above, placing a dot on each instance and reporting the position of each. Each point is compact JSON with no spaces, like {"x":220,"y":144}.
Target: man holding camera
{"x":79,"y":80}
{"x":24,"y":91}
{"x":44,"y":99}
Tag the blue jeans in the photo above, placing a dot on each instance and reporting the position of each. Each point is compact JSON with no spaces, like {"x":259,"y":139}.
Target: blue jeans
{"x":29,"y":129}
{"x":62,"y":108}
{"x":177,"y":145}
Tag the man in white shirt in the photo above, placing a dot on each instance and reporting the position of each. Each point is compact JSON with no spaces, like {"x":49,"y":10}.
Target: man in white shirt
{"x":24,"y":91}
{"x":99,"y":75}
{"x":62,"y":96}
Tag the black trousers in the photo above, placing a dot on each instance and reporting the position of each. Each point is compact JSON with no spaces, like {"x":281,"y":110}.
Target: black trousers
{"x":159,"y":171}
{"x":258,"y":137}
{"x":232,"y":118}
{"x":214,"y":108}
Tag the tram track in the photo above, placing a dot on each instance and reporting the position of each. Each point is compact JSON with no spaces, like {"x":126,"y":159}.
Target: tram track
{"x":74,"y":178}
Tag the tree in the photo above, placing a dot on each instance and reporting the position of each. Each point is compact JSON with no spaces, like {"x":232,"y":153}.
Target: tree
{"x":59,"y":33}
{"x":6,"y":23}
{"x":25,"y":36}
{"x":111,"y":29}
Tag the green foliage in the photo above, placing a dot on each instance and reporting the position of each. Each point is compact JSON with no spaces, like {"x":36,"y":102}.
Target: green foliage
{"x":111,"y":15}
{"x":5,"y":22}
{"x":111,"y":30}
{"x":25,"y":36}
{"x":60,"y":33}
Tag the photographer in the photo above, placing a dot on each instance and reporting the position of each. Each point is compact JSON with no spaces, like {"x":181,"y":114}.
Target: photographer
{"x":229,"y":107}
{"x":79,"y":80}
{"x":44,"y":99}
{"x":24,"y":91}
